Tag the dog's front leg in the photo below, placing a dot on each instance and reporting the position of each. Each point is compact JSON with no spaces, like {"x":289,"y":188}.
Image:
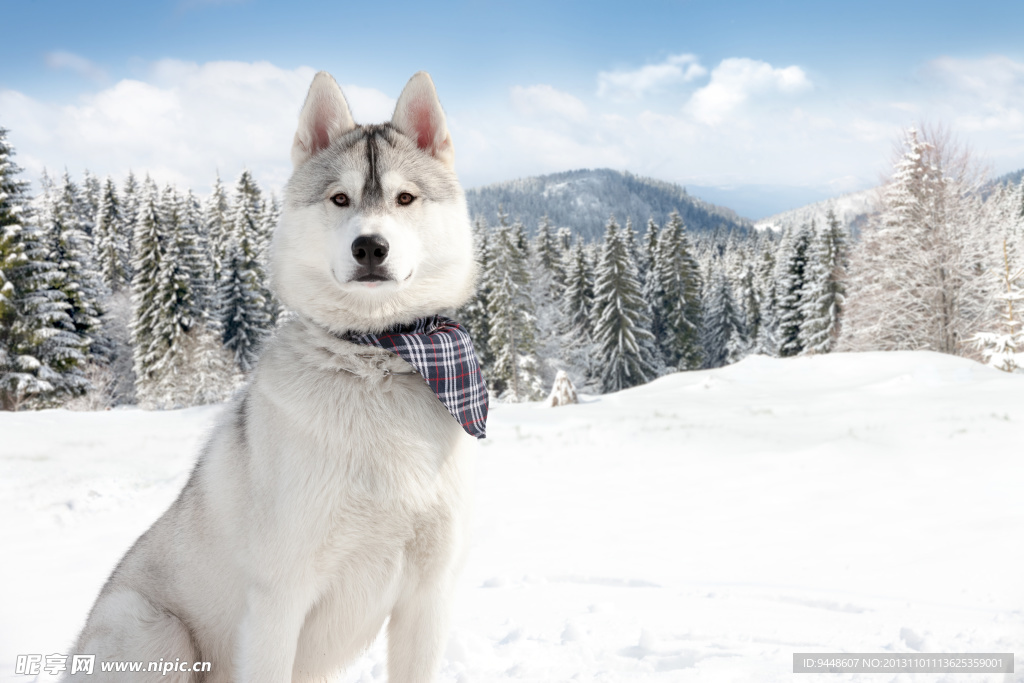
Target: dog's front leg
{"x":269,"y":635}
{"x":417,"y":633}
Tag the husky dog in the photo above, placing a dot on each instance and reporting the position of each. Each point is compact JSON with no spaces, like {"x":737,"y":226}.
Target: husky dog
{"x":333,"y":494}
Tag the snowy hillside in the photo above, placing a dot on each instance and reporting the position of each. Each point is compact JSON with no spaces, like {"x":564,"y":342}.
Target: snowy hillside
{"x":582,"y":200}
{"x":699,"y":528}
{"x":851,"y":209}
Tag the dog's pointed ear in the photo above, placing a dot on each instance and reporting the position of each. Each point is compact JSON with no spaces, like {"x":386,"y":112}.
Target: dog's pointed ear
{"x":325,"y":117}
{"x":418,"y":116}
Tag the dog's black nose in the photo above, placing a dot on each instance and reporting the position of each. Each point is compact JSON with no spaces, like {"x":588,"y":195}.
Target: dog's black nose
{"x":370,"y":250}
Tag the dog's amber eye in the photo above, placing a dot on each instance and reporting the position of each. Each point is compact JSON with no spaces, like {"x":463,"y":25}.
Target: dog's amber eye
{"x":340,"y":199}
{"x":405,"y":199}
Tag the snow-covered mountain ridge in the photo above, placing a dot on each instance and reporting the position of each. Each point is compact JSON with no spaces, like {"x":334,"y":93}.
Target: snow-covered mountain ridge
{"x":852,"y":210}
{"x":583,"y":200}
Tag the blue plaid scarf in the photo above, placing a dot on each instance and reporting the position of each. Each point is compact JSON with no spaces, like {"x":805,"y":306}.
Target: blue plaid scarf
{"x":442,"y":352}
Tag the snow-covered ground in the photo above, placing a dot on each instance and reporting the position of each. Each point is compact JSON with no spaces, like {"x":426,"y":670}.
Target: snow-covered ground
{"x":701,"y":528}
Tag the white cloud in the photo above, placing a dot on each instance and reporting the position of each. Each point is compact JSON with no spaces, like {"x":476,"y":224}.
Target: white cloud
{"x":986,"y":94}
{"x":735,"y":80}
{"x":181,"y":123}
{"x":631,"y":85}
{"x":537,"y":100}
{"x":80,"y":65}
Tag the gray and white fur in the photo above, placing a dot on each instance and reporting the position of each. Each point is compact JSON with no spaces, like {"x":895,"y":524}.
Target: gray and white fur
{"x":333,"y":495}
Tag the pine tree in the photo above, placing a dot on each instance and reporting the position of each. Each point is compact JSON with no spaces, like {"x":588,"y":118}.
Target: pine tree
{"x":197,"y":262}
{"x":217,"y":226}
{"x":269,"y":216}
{"x":791,"y":277}
{"x":648,"y":245}
{"x":766,"y":342}
{"x":129,"y":209}
{"x":149,"y":347}
{"x":1004,"y":348}
{"x":672,"y":291}
{"x":111,"y":247}
{"x":545,"y":264}
{"x":547,"y":258}
{"x":87,"y":204}
{"x":578,"y":300}
{"x":175,"y":306}
{"x":724,"y":337}
{"x":69,"y":249}
{"x":917,"y":279}
{"x":244,"y":318}
{"x":621,"y":325}
{"x":514,"y":373}
{"x":41,"y":357}
{"x":473,"y":314}
{"x":748,"y":302}
{"x":825,"y":288}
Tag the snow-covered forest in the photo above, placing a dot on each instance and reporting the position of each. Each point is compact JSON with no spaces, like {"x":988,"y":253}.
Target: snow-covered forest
{"x":121,"y":293}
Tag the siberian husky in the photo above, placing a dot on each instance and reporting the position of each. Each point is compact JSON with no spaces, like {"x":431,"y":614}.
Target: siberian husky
{"x":334,"y":493}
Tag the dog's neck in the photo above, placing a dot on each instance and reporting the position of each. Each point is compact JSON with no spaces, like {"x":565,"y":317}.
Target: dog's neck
{"x":340,"y":354}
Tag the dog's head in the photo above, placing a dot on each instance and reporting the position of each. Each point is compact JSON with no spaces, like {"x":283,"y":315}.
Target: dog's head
{"x":374,"y":230}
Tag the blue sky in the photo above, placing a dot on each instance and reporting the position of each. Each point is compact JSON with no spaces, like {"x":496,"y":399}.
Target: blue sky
{"x":759,"y":106}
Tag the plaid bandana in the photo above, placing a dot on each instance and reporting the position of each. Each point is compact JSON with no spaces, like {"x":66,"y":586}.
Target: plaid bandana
{"x":442,"y":352}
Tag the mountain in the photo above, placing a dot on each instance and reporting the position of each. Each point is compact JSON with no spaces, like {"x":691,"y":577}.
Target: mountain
{"x":583,"y":200}
{"x":851,"y":209}
{"x":1012,"y":178}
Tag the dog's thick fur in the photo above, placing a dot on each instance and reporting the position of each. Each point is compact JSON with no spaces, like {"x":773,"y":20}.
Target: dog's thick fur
{"x":333,"y":496}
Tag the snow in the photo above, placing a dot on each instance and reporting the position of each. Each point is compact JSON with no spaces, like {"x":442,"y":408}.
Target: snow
{"x":702,"y":527}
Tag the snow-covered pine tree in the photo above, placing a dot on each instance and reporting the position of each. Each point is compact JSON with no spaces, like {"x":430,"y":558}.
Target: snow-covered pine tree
{"x":175,"y":307}
{"x":197,"y":262}
{"x":674,"y":288}
{"x":269,"y":216}
{"x":244,"y":316}
{"x":193,"y":367}
{"x":724,"y":339}
{"x":621,"y":325}
{"x":521,"y":240}
{"x":87,"y":204}
{"x":578,"y":300}
{"x":129,"y":209}
{"x":748,"y":301}
{"x":217,"y":228}
{"x":648,"y":245}
{"x":111,"y":247}
{"x":211,"y":375}
{"x":147,"y":267}
{"x":69,"y":249}
{"x":41,"y":357}
{"x":825,"y":288}
{"x":649,"y":271}
{"x":791,"y":276}
{"x":1003,"y":348}
{"x":514,"y":373}
{"x":633,"y":247}
{"x":575,"y":326}
{"x":766,"y":342}
{"x":473,"y":314}
{"x":915,"y":280}
{"x":547,"y":261}
{"x":564,"y":238}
